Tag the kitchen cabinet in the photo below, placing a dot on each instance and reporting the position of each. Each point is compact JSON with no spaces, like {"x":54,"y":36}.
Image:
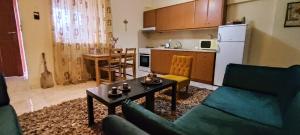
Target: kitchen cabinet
{"x":209,"y":13}
{"x":149,"y":18}
{"x":215,"y":13}
{"x":202,"y":69}
{"x":175,"y":17}
{"x":161,"y":61}
{"x":162,"y":19}
{"x":190,"y":15}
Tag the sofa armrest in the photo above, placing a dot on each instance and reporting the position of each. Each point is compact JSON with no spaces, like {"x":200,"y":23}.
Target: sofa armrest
{"x":115,"y":125}
{"x":149,"y":121}
{"x":268,"y":80}
{"x":4,"y":99}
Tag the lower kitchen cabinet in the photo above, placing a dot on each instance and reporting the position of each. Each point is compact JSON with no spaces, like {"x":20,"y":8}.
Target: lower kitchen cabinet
{"x":203,"y":63}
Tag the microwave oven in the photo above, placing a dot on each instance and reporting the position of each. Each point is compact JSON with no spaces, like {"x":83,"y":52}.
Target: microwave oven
{"x":208,"y":45}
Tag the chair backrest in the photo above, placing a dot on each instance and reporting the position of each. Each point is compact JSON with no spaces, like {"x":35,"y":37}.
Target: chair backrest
{"x":130,"y":54}
{"x":115,"y":56}
{"x":181,"y":66}
{"x":4,"y":99}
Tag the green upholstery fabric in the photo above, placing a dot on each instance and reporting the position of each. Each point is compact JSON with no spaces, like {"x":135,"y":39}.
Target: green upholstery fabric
{"x":253,"y":101}
{"x":282,"y":82}
{"x":203,"y":120}
{"x":257,"y":78}
{"x":114,"y":125}
{"x":4,"y":99}
{"x":291,"y":122}
{"x":149,"y":121}
{"x":253,"y":106}
{"x":293,"y":86}
{"x":8,"y":121}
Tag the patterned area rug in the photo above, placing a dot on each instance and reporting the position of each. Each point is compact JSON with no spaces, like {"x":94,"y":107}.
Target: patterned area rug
{"x":71,"y":117}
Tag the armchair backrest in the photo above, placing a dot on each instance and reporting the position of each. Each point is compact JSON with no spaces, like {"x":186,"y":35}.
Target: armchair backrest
{"x":4,"y":99}
{"x":181,"y":66}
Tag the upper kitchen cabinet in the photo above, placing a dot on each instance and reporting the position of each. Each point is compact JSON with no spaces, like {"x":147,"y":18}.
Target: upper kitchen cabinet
{"x":215,"y":13}
{"x":201,"y":12}
{"x":209,"y":13}
{"x":190,"y":15}
{"x":149,"y":18}
{"x":176,"y":17}
{"x":162,"y":19}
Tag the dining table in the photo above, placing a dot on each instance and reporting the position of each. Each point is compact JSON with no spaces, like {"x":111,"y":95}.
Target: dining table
{"x":96,"y":58}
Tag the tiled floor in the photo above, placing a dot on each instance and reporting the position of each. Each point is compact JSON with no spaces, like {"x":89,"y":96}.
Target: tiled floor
{"x":25,"y":99}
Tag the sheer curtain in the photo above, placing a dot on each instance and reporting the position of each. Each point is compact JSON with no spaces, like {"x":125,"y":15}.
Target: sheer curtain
{"x":78,"y":26}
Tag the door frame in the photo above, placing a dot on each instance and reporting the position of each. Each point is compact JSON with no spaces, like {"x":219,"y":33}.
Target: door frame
{"x":20,"y":38}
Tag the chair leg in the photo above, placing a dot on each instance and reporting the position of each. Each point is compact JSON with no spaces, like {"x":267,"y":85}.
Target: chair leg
{"x":134,"y":71}
{"x":109,"y":76}
{"x":187,"y":89}
{"x":124,"y":72}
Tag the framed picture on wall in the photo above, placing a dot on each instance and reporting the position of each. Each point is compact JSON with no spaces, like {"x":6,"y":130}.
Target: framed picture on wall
{"x":292,"y":18}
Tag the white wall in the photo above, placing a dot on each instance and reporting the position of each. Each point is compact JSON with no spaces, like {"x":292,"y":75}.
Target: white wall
{"x":132,"y":10}
{"x":37,"y":37}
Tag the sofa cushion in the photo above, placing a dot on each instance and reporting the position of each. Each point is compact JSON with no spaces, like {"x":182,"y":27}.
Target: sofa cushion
{"x":203,"y":120}
{"x":8,"y":121}
{"x":4,"y":99}
{"x":254,"y":106}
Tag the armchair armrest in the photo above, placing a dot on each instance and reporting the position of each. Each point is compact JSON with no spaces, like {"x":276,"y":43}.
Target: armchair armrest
{"x":4,"y":99}
{"x":257,"y":78}
{"x":115,"y":125}
{"x":149,"y":121}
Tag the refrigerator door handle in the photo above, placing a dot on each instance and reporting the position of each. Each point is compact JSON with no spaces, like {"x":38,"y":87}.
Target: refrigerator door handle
{"x":219,"y":37}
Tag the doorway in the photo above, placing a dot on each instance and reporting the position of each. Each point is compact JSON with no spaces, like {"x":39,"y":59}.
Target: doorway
{"x":12,"y":60}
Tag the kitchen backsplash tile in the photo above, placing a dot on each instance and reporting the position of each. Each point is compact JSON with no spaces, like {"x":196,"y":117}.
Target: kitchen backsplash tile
{"x":188,"y":38}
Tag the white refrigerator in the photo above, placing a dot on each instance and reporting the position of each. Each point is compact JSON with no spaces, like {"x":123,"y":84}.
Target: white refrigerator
{"x":232,"y":48}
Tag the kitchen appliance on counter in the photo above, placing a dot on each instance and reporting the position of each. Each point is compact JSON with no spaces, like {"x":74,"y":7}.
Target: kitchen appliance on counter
{"x":145,"y":59}
{"x":232,"y":48}
{"x":207,"y":44}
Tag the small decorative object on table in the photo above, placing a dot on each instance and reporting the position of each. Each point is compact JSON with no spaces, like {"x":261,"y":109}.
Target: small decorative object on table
{"x":125,"y":88}
{"x":151,"y":79}
{"x":114,"y":92}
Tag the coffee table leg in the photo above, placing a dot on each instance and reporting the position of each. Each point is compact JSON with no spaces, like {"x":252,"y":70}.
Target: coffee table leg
{"x":90,"y":109}
{"x":150,"y":102}
{"x":111,"y":110}
{"x":174,"y":87}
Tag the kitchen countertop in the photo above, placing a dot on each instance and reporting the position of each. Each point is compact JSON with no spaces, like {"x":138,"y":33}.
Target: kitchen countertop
{"x":200,"y":50}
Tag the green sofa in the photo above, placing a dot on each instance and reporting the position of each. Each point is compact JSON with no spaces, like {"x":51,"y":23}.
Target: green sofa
{"x":9,"y":124}
{"x":253,"y":100}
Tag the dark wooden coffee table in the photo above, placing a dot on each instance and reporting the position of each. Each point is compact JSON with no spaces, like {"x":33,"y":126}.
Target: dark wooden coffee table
{"x":138,"y":90}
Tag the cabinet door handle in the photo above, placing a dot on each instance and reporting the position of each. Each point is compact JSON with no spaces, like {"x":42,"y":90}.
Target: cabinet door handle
{"x":12,"y":32}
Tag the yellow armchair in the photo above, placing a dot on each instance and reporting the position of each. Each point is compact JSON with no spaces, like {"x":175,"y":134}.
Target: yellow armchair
{"x":180,"y":71}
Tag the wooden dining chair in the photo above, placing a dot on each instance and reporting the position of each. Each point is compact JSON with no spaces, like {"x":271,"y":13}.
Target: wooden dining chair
{"x":129,"y":61}
{"x":114,"y":65}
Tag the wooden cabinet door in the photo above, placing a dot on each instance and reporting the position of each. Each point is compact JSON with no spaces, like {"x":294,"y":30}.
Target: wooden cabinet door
{"x":149,"y":18}
{"x":162,"y":19}
{"x":176,"y":17}
{"x":215,"y":13}
{"x":201,"y":12}
{"x":204,"y":67}
{"x":161,"y":61}
{"x":189,"y":15}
